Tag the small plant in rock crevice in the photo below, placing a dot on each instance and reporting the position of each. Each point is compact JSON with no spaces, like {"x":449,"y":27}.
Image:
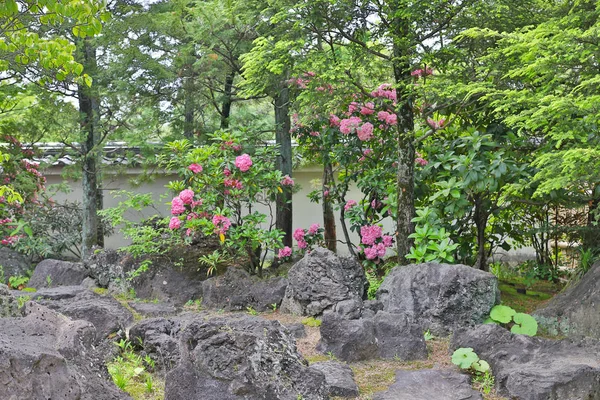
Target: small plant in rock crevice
{"x":312,"y":322}
{"x":519,"y":323}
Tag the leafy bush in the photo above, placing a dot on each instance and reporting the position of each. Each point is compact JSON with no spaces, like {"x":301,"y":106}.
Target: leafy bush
{"x":432,"y":243}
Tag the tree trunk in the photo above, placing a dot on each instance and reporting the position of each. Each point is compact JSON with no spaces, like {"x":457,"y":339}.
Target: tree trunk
{"x":226,"y":108}
{"x":328,"y":216}
{"x":283,"y":139}
{"x":481,"y":217}
{"x":591,"y":237}
{"x":403,"y":52}
{"x":89,"y":108}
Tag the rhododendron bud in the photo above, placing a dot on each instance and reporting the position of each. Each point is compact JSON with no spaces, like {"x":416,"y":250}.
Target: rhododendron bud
{"x":177,"y":206}
{"x":187,"y":196}
{"x":174,"y":223}
{"x":243,"y":162}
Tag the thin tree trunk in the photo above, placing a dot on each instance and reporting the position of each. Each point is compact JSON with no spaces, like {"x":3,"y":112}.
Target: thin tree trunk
{"x":591,"y":237}
{"x":402,"y":53}
{"x":227,"y":93}
{"x":481,"y":217}
{"x":328,"y":216}
{"x":89,"y":108}
{"x":283,"y":139}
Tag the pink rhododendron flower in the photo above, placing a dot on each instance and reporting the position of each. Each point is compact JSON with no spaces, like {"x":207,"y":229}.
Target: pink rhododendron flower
{"x":188,"y":232}
{"x":177,"y":206}
{"x":287,"y":181}
{"x":385,"y":91}
{"x":233,"y":183}
{"x":388,"y":240}
{"x":285,"y":252}
{"x":196,"y":203}
{"x":298,"y":234}
{"x":365,"y":132}
{"x":349,"y":204}
{"x":392,"y":119}
{"x":421,"y":161}
{"x":243,"y":162}
{"x":195,"y":168}
{"x":315,"y":133}
{"x":371,"y":253}
{"x":226,"y":172}
{"x":435,"y":125}
{"x":366,"y":152}
{"x":334,"y":120}
{"x":187,"y":196}
{"x":314,"y":228}
{"x":353,"y":107}
{"x":174,"y":223}
{"x":326,"y":193}
{"x":302,"y":244}
{"x":370,"y":233}
{"x":367,"y":109}
{"x":221,"y":224}
{"x":349,"y":125}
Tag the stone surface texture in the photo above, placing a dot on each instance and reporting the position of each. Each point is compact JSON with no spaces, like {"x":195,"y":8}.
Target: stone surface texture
{"x":53,"y":273}
{"x":439,"y":297}
{"x":320,"y":281}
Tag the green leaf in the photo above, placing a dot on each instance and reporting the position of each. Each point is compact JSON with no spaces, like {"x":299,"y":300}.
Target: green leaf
{"x":525,"y":324}
{"x":481,"y":366}
{"x":464,"y":357}
{"x":502,"y":314}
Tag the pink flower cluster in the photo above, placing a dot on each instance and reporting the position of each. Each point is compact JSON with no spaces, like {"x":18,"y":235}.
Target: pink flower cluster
{"x":422,"y":72}
{"x":221,"y":224}
{"x":375,"y":243}
{"x":195,"y":168}
{"x":243,"y":162}
{"x":232,"y":183}
{"x":174,"y":223}
{"x":435,"y":125}
{"x":285,"y":252}
{"x":179,"y":202}
{"x":385,"y":91}
{"x":365,"y":132}
{"x":313,"y":229}
{"x":287,"y":181}
{"x":10,"y":240}
{"x":349,"y":204}
{"x":387,"y":117}
{"x":299,"y":237}
{"x":334,"y":121}
{"x":349,"y":125}
{"x":367,"y":109}
{"x":177,"y":206}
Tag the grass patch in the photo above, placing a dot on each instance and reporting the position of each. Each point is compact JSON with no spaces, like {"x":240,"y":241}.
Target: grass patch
{"x":539,"y":294}
{"x":133,"y":374}
{"x":100,"y":291}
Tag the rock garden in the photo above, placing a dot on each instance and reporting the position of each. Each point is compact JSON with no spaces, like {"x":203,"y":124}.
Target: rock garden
{"x":432,"y":331}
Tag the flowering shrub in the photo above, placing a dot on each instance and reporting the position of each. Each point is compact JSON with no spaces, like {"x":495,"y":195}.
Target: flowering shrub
{"x":220,"y":189}
{"x":309,"y":238}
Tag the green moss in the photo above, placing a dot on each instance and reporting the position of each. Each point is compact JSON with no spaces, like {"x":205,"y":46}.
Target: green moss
{"x":311,"y":321}
{"x":531,"y":300}
{"x":100,"y":291}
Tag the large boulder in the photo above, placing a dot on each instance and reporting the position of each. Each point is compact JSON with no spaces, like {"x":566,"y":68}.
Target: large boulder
{"x":52,"y":273}
{"x":236,"y":289}
{"x":13,"y":263}
{"x":531,"y":368}
{"x":440,"y":297}
{"x":104,"y":312}
{"x":428,"y":385}
{"x":232,"y":358}
{"x":159,"y":339}
{"x":163,"y":279}
{"x":48,"y":356}
{"x":389,"y":336}
{"x":321,"y":280}
{"x":576,"y":311}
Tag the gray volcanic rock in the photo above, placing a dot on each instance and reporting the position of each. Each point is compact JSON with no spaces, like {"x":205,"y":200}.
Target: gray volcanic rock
{"x":241,"y":358}
{"x":58,"y":273}
{"x":531,"y":368}
{"x":153,"y":309}
{"x":13,"y":263}
{"x":440,"y":297}
{"x":104,"y":312}
{"x":321,"y":280}
{"x":429,"y":384}
{"x":339,"y":378}
{"x":386,"y":335}
{"x":236,"y":289}
{"x":159,"y":339}
{"x":48,"y":356}
{"x":163,"y":280}
{"x":575,"y":311}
